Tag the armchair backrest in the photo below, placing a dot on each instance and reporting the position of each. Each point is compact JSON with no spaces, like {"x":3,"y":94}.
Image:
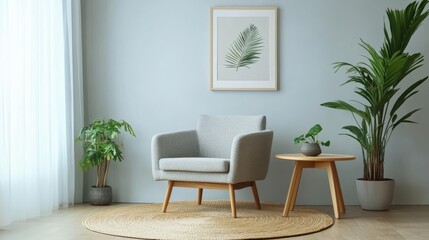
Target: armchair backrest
{"x":216,"y":133}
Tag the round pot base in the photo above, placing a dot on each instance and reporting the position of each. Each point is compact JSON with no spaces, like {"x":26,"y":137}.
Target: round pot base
{"x":100,"y":196}
{"x":375,"y":195}
{"x":311,"y":149}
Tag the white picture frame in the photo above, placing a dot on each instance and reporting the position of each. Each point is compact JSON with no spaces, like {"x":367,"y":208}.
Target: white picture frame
{"x":243,"y":48}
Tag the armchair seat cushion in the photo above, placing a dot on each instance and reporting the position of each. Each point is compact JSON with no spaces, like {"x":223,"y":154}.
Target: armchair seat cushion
{"x":195,"y":164}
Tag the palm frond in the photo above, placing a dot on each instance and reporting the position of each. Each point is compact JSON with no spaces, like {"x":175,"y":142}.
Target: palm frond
{"x":402,"y":25}
{"x":245,"y":50}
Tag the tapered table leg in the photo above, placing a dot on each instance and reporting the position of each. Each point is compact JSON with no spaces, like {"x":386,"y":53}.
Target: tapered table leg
{"x":293,"y":189}
{"x":338,"y":191}
{"x":296,"y":185}
{"x":333,"y":187}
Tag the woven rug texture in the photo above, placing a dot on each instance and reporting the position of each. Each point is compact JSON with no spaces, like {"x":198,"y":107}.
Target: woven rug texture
{"x":211,"y":220}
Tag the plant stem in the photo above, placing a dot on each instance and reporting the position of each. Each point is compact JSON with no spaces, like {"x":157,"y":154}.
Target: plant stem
{"x":106,"y":172}
{"x":98,"y":176}
{"x":103,"y":173}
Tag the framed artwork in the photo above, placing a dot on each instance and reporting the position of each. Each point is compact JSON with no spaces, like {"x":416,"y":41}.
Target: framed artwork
{"x":243,"y":48}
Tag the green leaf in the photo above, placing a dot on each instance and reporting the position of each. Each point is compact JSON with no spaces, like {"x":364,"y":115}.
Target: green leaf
{"x":406,"y":95}
{"x":310,"y":136}
{"x":358,"y":133}
{"x":98,"y":142}
{"x":316,"y":129}
{"x":402,"y":25}
{"x":299,"y":139}
{"x":245,"y":50}
{"x":404,"y":119}
{"x":345,"y":106}
{"x":355,"y":138}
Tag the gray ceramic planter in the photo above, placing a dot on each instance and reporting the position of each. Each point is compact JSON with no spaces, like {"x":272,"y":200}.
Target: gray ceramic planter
{"x":100,"y":196}
{"x":375,"y":195}
{"x":310,"y":149}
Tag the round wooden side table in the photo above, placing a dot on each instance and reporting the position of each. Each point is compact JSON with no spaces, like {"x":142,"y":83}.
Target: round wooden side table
{"x":324,"y":161}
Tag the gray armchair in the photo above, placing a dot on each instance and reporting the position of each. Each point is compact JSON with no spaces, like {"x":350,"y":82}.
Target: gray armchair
{"x":225,"y":152}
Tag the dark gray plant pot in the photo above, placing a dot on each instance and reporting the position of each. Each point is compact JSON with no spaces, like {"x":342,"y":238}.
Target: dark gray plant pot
{"x":311,"y":149}
{"x":100,"y":196}
{"x":375,"y":195}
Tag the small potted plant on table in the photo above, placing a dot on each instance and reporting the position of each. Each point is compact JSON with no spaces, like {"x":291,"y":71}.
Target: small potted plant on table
{"x":311,"y":146}
{"x":99,"y":149}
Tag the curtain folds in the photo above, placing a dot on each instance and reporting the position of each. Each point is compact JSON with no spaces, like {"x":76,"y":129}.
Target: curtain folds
{"x":37,"y":107}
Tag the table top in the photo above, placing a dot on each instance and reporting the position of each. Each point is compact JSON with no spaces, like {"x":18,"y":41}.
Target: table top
{"x":324,"y":157}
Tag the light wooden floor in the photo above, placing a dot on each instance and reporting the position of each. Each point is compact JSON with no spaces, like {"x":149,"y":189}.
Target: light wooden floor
{"x":400,"y":222}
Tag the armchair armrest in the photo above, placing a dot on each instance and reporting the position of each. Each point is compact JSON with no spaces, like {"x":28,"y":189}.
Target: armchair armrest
{"x":174,"y":144}
{"x":250,"y":156}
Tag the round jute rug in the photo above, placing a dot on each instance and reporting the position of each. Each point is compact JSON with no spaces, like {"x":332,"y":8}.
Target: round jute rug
{"x":211,"y":220}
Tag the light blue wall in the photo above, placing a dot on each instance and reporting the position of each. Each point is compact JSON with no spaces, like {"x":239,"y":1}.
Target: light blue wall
{"x":148,"y":62}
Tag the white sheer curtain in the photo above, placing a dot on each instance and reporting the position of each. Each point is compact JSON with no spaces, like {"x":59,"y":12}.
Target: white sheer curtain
{"x":37,"y":107}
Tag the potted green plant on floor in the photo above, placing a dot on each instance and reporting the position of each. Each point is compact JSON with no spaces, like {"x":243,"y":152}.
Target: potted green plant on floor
{"x":310,"y":143}
{"x":99,"y":149}
{"x":383,"y":87}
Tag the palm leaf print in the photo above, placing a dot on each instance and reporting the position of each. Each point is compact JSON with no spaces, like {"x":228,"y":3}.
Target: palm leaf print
{"x":245,"y":49}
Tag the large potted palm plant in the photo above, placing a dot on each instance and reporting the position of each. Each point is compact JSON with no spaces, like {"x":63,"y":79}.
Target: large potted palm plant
{"x":100,"y":148}
{"x":382,"y":87}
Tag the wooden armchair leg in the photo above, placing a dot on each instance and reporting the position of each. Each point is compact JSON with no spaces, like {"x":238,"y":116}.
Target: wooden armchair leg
{"x":232,"y":199}
{"x":200,"y":195}
{"x":256,"y":195}
{"x":167,"y":196}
